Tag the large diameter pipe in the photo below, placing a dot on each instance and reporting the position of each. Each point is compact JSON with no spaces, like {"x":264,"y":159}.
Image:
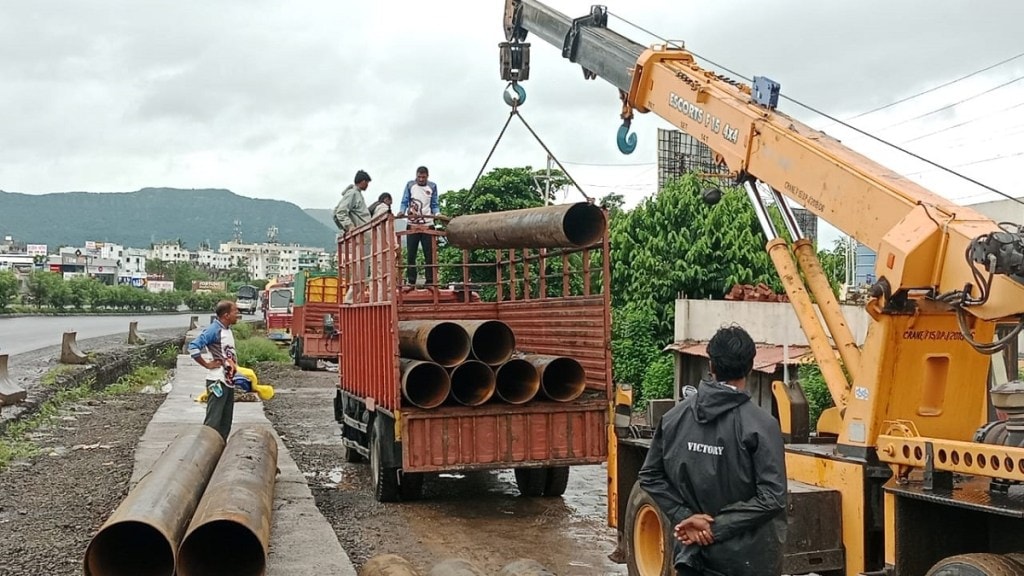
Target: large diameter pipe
{"x":424,"y":384}
{"x":230,"y":532}
{"x":517,"y":381}
{"x":440,"y":341}
{"x":473,"y":383}
{"x":491,"y":341}
{"x":562,"y":379}
{"x":559,"y":226}
{"x":141,"y":537}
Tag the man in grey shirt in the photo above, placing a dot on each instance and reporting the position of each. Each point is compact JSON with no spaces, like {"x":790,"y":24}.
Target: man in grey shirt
{"x":351,"y":211}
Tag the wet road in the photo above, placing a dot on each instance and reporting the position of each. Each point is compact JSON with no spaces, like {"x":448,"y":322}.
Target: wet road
{"x":28,"y":333}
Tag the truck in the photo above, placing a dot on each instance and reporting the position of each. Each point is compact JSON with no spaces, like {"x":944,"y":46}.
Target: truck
{"x":562,"y":313}
{"x":314,"y":317}
{"x":277,"y":308}
{"x":247,"y":298}
{"x":917,"y":469}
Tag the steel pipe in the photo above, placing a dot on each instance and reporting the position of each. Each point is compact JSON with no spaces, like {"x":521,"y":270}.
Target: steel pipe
{"x":473,"y":383}
{"x":491,"y":341}
{"x":562,"y":379}
{"x":560,"y":226}
{"x":230,"y":532}
{"x":440,"y":341}
{"x":517,"y":381}
{"x":424,"y":384}
{"x":141,"y":537}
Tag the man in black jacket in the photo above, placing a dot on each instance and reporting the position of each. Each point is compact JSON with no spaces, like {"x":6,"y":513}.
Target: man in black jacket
{"x":717,"y":470}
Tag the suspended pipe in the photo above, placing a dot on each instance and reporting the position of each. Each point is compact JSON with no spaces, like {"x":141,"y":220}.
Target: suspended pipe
{"x":141,"y":537}
{"x":491,"y":341}
{"x":562,"y":379}
{"x":440,"y":341}
{"x":517,"y":381}
{"x":230,"y":532}
{"x":559,"y":226}
{"x":424,"y":384}
{"x":473,"y":383}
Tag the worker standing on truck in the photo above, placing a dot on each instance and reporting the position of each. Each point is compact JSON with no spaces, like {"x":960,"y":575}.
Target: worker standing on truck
{"x":381,"y":206}
{"x":717,"y":470}
{"x":351,"y":211}
{"x":218,"y":339}
{"x":420,"y":205}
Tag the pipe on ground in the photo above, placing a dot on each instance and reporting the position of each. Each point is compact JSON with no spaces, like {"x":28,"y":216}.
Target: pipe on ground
{"x":424,"y":384}
{"x":491,"y":341}
{"x":517,"y":381}
{"x":441,"y":341}
{"x":562,"y":379}
{"x":560,"y":226}
{"x":230,"y":532}
{"x":473,"y":383}
{"x":141,"y":537}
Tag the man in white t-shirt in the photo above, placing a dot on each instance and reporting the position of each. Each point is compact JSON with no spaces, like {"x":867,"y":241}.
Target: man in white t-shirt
{"x":420,"y":206}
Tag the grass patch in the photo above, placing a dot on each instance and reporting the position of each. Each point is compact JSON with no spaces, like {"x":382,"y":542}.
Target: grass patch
{"x":142,"y":377}
{"x":242,"y":331}
{"x":50,"y":378}
{"x":253,"y":350}
{"x":14,"y":443}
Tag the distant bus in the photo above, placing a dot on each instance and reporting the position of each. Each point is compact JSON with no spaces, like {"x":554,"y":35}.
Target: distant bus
{"x":248,"y":299}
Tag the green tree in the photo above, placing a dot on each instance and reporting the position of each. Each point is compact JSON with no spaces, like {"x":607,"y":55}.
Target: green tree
{"x":8,"y":288}
{"x":833,"y":262}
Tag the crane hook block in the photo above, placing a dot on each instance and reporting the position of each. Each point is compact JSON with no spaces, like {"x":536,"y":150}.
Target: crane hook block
{"x":626,"y":139}
{"x":518,"y":98}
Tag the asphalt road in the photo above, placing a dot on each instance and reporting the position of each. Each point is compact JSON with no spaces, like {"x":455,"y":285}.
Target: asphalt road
{"x":27,"y":333}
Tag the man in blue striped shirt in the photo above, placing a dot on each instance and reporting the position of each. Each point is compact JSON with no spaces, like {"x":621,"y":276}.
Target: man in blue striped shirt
{"x":219,"y":341}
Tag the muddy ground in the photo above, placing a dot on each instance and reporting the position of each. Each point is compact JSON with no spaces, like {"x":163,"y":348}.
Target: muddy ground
{"x":479,"y":517}
{"x":52,"y":504}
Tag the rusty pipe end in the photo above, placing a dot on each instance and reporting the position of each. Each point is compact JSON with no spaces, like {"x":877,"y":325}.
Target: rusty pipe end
{"x":562,"y":379}
{"x":129,"y":548}
{"x":222,"y":547}
{"x":517,"y":381}
{"x":493,"y":342}
{"x":424,"y":384}
{"x":584,"y":224}
{"x":473,"y":383}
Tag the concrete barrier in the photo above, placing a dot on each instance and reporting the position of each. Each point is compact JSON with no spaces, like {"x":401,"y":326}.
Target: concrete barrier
{"x":70,"y":353}
{"x":10,"y":393}
{"x":193,"y":323}
{"x":133,"y":334}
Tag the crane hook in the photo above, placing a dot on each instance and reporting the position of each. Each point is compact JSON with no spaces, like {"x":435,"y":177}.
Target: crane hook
{"x":626,"y":139}
{"x":518,"y":98}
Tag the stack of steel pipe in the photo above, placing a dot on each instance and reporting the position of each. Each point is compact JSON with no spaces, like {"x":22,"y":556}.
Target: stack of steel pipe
{"x":471,"y":361}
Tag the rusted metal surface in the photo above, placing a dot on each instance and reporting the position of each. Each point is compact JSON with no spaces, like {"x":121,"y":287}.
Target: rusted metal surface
{"x":10,"y":393}
{"x":308,"y":323}
{"x":230,"y":531}
{"x":502,"y":436}
{"x":424,"y":384}
{"x":472,"y":383}
{"x":767,"y":358}
{"x":141,"y":537}
{"x":561,"y":226}
{"x":369,"y":354}
{"x":491,"y":341}
{"x":562,"y":379}
{"x":444,"y":342}
{"x":517,"y":381}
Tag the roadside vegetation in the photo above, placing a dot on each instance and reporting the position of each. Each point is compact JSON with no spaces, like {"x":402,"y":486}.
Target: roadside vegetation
{"x":252,"y":347}
{"x":16,"y":439}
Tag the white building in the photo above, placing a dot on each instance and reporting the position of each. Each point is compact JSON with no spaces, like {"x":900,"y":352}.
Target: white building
{"x":170,"y":253}
{"x":271,"y":260}
{"x":216,"y":260}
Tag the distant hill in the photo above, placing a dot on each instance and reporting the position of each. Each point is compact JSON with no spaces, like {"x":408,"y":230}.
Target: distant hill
{"x":324,"y":215}
{"x":138,"y":219}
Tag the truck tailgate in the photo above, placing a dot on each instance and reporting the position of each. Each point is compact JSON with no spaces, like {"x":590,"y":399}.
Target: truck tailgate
{"x":535,"y":434}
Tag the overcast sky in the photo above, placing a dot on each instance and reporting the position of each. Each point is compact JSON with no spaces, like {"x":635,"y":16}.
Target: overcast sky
{"x":286,"y":100}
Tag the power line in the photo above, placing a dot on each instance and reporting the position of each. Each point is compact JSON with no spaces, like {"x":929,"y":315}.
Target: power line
{"x":954,"y":104}
{"x":964,"y":123}
{"x":833,"y":118}
{"x":601,"y":165}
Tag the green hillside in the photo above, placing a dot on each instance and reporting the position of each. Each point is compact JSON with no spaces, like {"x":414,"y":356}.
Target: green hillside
{"x":138,"y":219}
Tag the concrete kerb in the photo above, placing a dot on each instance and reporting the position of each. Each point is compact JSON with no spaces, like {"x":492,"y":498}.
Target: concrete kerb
{"x":70,"y":353}
{"x":133,"y":334}
{"x":302,"y":542}
{"x":10,"y":393}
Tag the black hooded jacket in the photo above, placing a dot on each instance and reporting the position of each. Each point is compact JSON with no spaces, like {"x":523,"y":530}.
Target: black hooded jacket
{"x":718,"y":454}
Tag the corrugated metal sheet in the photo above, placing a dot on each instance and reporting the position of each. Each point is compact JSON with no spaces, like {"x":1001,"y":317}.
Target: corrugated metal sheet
{"x":369,"y":353}
{"x":767,"y":360}
{"x":494,"y":436}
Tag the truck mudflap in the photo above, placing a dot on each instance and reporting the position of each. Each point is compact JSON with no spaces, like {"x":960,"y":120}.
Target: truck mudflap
{"x":547,"y":434}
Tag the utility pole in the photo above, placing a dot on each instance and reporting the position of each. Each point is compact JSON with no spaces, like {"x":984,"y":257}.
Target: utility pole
{"x":547,"y":183}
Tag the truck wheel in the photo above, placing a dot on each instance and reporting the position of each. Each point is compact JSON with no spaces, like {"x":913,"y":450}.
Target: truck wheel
{"x":648,"y":536}
{"x":531,"y":481}
{"x":981,"y":564}
{"x":557,"y":481}
{"x":296,"y":352}
{"x":411,"y":486}
{"x":385,"y":480}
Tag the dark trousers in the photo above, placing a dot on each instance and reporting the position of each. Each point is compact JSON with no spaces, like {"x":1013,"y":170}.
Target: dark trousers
{"x":415,"y":240}
{"x":220,"y":409}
